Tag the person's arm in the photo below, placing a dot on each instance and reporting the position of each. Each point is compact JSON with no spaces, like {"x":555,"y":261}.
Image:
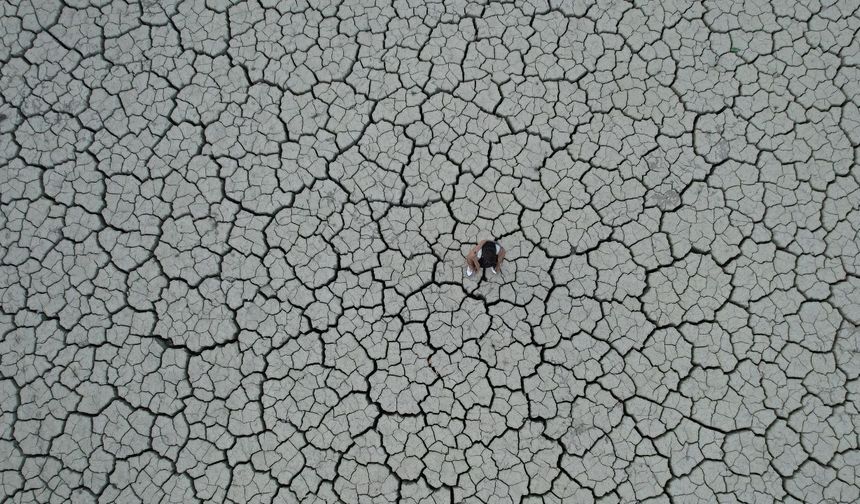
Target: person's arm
{"x":477,"y":247}
{"x":472,"y":262}
{"x":500,"y":258}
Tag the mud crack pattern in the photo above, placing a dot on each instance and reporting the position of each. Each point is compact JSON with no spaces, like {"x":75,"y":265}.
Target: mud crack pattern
{"x":232,"y":238}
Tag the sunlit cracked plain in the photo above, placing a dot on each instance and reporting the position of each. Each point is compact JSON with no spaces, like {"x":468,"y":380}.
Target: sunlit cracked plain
{"x":232,"y":238}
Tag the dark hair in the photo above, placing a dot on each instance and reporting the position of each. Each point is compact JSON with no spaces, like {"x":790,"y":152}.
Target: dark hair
{"x":488,"y":255}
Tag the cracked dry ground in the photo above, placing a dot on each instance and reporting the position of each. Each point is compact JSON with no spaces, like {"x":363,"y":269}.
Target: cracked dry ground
{"x":232,"y":245}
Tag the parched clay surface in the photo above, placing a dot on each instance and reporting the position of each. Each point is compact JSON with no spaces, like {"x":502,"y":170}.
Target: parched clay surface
{"x":232,"y":238}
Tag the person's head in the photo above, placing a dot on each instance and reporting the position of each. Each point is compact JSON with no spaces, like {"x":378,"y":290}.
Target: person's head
{"x":488,"y":255}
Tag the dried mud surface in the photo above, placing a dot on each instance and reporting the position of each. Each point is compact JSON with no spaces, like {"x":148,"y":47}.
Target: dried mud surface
{"x":232,"y":239}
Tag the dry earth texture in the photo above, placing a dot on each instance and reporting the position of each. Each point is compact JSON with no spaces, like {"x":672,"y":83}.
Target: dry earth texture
{"x":232,"y":238}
